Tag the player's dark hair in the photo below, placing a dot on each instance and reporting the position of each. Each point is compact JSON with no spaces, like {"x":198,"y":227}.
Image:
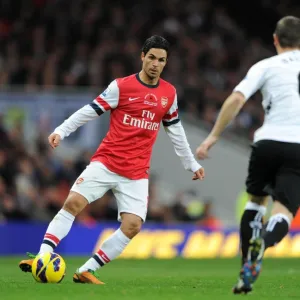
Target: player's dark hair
{"x":156,"y":41}
{"x":288,"y":32}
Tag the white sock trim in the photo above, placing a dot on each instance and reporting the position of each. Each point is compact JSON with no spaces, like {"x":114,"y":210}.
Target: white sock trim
{"x":276,"y":219}
{"x":253,"y":206}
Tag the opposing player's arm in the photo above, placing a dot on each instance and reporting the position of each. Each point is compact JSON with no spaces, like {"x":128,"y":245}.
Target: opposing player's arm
{"x":229,"y":110}
{"x":232,"y":106}
{"x":176,"y":133}
{"x":242,"y":92}
{"x":104,"y":102}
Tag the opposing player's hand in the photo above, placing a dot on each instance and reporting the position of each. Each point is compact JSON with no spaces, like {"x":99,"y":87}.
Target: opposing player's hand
{"x":54,"y":140}
{"x":200,"y":174}
{"x":202,"y":150}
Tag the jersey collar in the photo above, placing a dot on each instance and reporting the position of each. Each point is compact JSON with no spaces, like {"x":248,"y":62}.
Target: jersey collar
{"x":145,"y":84}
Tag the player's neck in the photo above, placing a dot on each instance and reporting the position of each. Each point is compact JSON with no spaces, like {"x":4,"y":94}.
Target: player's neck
{"x":146,"y":79}
{"x":287,"y":49}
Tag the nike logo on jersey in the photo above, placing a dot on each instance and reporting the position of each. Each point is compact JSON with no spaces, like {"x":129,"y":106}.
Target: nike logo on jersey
{"x":132,"y":99}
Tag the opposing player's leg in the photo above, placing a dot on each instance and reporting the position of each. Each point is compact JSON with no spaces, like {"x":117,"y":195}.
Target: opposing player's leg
{"x":286,"y":191}
{"x":250,"y":228}
{"x":278,"y":225}
{"x":85,"y":190}
{"x":274,"y":231}
{"x":252,"y":222}
{"x":132,"y":199}
{"x":261,"y":172}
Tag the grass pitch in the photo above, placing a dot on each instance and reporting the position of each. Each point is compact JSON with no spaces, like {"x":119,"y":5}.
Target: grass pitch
{"x":155,"y":279}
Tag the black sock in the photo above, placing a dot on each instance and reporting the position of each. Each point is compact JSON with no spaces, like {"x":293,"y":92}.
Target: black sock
{"x":275,"y":230}
{"x":250,"y":227}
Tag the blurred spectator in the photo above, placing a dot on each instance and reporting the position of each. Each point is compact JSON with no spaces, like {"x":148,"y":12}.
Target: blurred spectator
{"x":208,"y":219}
{"x":189,"y":207}
{"x":9,"y":208}
{"x":158,"y":202}
{"x":88,"y":43}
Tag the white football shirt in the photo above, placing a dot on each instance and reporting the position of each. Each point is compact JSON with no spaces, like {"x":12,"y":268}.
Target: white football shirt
{"x":278,"y":79}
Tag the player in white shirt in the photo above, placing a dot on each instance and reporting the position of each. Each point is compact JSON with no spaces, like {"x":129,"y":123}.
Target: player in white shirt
{"x":274,"y":165}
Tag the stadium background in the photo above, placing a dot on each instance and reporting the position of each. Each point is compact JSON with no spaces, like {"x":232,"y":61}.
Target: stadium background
{"x":56,"y":56}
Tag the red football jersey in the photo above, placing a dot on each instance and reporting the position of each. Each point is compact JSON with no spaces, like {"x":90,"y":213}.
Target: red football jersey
{"x":137,"y":110}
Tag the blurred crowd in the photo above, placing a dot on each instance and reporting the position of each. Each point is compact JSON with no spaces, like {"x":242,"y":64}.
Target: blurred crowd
{"x":88,"y":43}
{"x":34,"y":185}
{"x":45,"y":43}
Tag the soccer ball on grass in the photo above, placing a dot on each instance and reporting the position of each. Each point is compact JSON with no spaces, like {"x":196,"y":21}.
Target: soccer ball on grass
{"x":48,"y":268}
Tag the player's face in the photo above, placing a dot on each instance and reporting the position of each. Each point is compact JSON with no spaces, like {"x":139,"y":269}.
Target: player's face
{"x":154,"y":62}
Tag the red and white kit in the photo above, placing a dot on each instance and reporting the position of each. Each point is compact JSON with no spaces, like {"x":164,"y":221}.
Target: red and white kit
{"x":122,"y":161}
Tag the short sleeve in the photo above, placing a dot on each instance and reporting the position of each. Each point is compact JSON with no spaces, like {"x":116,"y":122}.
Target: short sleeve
{"x":171,"y":117}
{"x":108,"y":99}
{"x":253,"y":81}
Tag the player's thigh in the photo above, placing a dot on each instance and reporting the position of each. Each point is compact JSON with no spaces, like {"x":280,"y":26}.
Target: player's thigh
{"x":279,"y":208}
{"x":132,"y":197}
{"x":287,"y":185}
{"x":287,"y":190}
{"x":262,"y":168}
{"x":94,"y":182}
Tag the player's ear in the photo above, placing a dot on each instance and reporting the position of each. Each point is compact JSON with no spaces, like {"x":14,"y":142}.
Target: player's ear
{"x":275,"y":39}
{"x":142,"y":56}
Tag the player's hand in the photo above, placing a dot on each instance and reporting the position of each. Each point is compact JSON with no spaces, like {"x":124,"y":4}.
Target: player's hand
{"x":200,"y":174}
{"x":202,"y":150}
{"x":54,"y":140}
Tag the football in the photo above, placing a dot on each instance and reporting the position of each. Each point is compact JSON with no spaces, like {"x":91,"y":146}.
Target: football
{"x":48,"y":268}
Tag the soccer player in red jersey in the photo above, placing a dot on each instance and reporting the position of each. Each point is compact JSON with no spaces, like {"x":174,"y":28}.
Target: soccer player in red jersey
{"x":138,"y":104}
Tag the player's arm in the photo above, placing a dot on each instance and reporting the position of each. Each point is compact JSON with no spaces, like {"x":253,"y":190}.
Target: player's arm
{"x":232,"y":106}
{"x":104,"y":102}
{"x":176,"y":133}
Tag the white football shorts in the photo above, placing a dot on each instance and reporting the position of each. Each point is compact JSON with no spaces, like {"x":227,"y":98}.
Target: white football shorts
{"x":131,"y":195}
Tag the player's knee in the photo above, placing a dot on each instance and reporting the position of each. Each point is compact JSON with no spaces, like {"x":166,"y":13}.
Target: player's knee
{"x":260,"y":200}
{"x":132,"y":229}
{"x":75,"y":203}
{"x":131,"y":226}
{"x":279,"y":208}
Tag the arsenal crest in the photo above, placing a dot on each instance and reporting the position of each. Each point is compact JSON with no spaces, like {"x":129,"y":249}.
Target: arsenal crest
{"x":79,"y":180}
{"x":164,"y":101}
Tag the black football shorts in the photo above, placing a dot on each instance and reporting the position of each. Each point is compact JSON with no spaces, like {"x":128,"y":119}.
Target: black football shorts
{"x":274,"y":169}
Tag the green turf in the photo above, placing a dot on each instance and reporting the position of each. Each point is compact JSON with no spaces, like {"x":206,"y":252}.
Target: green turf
{"x":155,"y":279}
